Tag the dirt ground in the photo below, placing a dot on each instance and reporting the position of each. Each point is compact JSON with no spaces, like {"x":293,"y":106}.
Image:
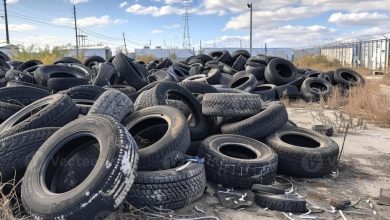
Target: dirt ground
{"x":363,"y":170}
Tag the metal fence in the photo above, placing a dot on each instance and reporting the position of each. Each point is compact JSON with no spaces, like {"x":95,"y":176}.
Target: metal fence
{"x":371,"y":52}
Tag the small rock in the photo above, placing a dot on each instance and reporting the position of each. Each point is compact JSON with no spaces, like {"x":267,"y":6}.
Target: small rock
{"x":340,"y":204}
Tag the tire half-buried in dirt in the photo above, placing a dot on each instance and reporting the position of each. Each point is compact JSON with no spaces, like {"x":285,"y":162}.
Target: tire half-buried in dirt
{"x":110,"y":177}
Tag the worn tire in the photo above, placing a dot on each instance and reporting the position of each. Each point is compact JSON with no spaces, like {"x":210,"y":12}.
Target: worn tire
{"x":17,"y":150}
{"x":89,"y":92}
{"x":158,"y":95}
{"x":280,"y":71}
{"x":247,"y":82}
{"x":129,"y":71}
{"x":231,"y":104}
{"x":51,"y":111}
{"x":102,"y":191}
{"x":106,"y":75}
{"x":44,"y":73}
{"x":7,"y":110}
{"x":238,"y":161}
{"x":270,"y":119}
{"x":168,"y":189}
{"x":113,"y":103}
{"x":313,"y":89}
{"x":348,"y":78}
{"x":21,"y":95}
{"x":197,"y":87}
{"x":303,"y":152}
{"x":162,"y":148}
{"x":60,"y":84}
{"x":283,"y":203}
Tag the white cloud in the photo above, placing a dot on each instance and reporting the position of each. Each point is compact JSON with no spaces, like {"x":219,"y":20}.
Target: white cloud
{"x":90,"y":21}
{"x":19,"y":27}
{"x":174,"y":26}
{"x":153,"y":10}
{"x":156,"y":31}
{"x":171,"y":2}
{"x":12,"y":1}
{"x":361,"y":18}
{"x":123,"y":4}
{"x":75,"y":2}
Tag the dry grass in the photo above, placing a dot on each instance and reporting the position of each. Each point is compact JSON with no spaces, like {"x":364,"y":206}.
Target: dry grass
{"x":146,"y":58}
{"x":46,"y":55}
{"x":317,"y":62}
{"x":10,"y":206}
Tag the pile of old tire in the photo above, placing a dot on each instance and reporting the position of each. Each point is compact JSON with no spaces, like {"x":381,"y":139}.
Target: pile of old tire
{"x":88,"y":136}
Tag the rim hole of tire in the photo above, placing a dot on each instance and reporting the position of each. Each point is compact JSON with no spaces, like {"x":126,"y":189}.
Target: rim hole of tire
{"x":188,"y":113}
{"x":283,"y":70}
{"x":240,"y":82}
{"x":61,"y":75}
{"x":349,"y":77}
{"x":299,"y":140}
{"x":237,"y":151}
{"x":72,"y":164}
{"x":262,"y":88}
{"x":29,"y":114}
{"x":319,"y":86}
{"x":149,"y":131}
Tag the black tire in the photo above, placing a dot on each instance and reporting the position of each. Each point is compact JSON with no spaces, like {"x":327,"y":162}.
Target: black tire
{"x":163,"y":91}
{"x":270,"y":119}
{"x":230,"y":104}
{"x":60,"y":84}
{"x":323,"y":129}
{"x":168,"y":189}
{"x":280,"y":71}
{"x":266,"y":91}
{"x":5,"y":65}
{"x":238,"y":161}
{"x":239,"y":53}
{"x":113,"y":103}
{"x":84,"y":70}
{"x":325,"y":76}
{"x":227,"y":69}
{"x":283,"y":203}
{"x":19,"y":84}
{"x":213,"y":76}
{"x":256,"y":69}
{"x":17,"y":150}
{"x":298,"y":82}
{"x":88,"y":92}
{"x":129,"y":71}
{"x":239,"y":64}
{"x":331,"y":77}
{"x":51,"y":111}
{"x":165,"y":63}
{"x":162,"y":134}
{"x":30,"y":63}
{"x":348,"y":78}
{"x":128,"y":90}
{"x":246,"y":82}
{"x":108,"y":181}
{"x":288,"y":91}
{"x":16,"y":75}
{"x":225,"y":79}
{"x":44,"y":73}
{"x":197,"y":87}
{"x":221,"y":56}
{"x":313,"y":89}
{"x":66,"y":60}
{"x":106,"y":75}
{"x":163,"y":75}
{"x":7,"y":110}
{"x":21,"y":95}
{"x":4,"y":57}
{"x":84,"y":105}
{"x":303,"y":152}
{"x":93,"y":60}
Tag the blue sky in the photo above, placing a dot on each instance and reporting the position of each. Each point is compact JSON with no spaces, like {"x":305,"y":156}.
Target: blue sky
{"x":223,"y":23}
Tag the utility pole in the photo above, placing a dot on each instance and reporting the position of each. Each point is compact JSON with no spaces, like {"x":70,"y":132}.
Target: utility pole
{"x":250,"y":6}
{"x":6,"y":21}
{"x":124,"y":41}
{"x":75,"y":29}
{"x":240,"y":43}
